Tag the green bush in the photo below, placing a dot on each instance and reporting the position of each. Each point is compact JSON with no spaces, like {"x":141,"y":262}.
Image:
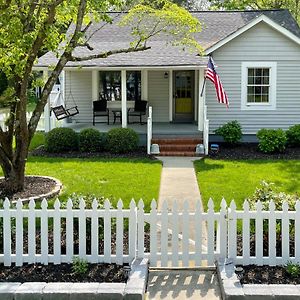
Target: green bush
{"x":293,"y":269}
{"x":61,"y":140}
{"x":122,"y":140}
{"x":293,"y":135}
{"x":80,"y":266}
{"x":231,"y":132}
{"x":91,"y":140}
{"x":271,"y":140}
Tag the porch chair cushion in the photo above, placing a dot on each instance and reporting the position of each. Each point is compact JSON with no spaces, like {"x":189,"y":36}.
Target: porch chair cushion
{"x":139,"y":110}
{"x":100,"y":110}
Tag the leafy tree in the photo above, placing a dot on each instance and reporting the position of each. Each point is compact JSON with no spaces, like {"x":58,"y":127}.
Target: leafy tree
{"x":31,"y":28}
{"x":292,"y":5}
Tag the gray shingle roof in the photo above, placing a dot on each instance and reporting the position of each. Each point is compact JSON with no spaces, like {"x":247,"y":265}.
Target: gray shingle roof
{"x":217,"y":25}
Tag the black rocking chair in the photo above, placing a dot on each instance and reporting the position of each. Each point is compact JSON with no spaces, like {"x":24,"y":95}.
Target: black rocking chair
{"x":139,"y":110}
{"x":100,"y":110}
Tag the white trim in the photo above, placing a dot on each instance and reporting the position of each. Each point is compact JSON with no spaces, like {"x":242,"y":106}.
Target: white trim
{"x":271,"y":105}
{"x":131,"y":68}
{"x":196,"y":100}
{"x":171,"y":82}
{"x":259,"y":19}
{"x":201,"y":102}
{"x":124,"y":98}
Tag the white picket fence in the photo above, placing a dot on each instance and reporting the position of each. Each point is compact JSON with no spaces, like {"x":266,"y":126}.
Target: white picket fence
{"x":41,"y":124}
{"x":172,"y":237}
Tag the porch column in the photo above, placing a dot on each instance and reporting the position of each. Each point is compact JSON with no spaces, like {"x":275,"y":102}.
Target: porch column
{"x":171,"y":95}
{"x":95,"y":85}
{"x":201,"y":102}
{"x":144,"y":79}
{"x":47,"y":120}
{"x":124,"y":98}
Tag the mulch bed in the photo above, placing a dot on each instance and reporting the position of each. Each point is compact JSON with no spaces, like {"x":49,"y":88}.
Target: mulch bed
{"x":251,"y":151}
{"x":267,"y":275}
{"x":62,"y":273}
{"x":33,"y":186}
{"x":141,"y":152}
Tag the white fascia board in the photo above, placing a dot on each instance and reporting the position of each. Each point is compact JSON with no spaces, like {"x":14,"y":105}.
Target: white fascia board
{"x":259,"y":19}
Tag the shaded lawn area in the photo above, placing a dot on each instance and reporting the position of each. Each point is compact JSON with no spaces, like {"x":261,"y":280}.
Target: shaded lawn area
{"x":110,"y":178}
{"x":237,"y":179}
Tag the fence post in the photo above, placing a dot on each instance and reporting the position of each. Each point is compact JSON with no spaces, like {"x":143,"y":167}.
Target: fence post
{"x":198,"y":234}
{"x":107,"y":232}
{"x":222,"y":230}
{"x":175,"y":244}
{"x":44,"y":233}
{"x":141,"y":226}
{"x":185,"y":234}
{"x":7,"y":233}
{"x":119,"y":233}
{"x":210,"y":232}
{"x":285,"y":233}
{"x":153,"y":234}
{"x":69,"y":231}
{"x":56,"y":233}
{"x":232,"y":231}
{"x":31,"y":233}
{"x":272,"y":234}
{"x":246,"y":233}
{"x":259,"y":234}
{"x":19,"y":234}
{"x":164,"y":234}
{"x":132,"y":230}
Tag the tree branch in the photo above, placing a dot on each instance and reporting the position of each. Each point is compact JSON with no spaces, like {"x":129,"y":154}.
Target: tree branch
{"x":109,"y":53}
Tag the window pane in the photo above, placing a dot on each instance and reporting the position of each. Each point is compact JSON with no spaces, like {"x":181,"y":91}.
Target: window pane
{"x":250,"y":80}
{"x":266,"y":72}
{"x":251,"y":90}
{"x":258,"y":72}
{"x":250,"y":72}
{"x":265,"y":80}
{"x":258,"y":90}
{"x":110,"y":85}
{"x":250,"y":98}
{"x":265,"y":98}
{"x":258,"y":80}
{"x":133,"y":85}
{"x":265,"y":90}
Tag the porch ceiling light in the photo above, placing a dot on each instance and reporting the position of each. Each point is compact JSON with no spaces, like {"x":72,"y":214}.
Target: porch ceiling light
{"x":166,"y":75}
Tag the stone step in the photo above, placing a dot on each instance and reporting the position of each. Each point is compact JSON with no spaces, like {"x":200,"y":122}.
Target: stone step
{"x":180,"y":148}
{"x":177,"y":141}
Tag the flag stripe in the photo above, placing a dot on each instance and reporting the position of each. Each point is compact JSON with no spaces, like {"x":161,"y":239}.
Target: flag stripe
{"x":212,"y":75}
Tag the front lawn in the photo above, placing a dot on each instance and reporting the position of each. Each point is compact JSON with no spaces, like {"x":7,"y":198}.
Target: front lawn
{"x":111,"y":178}
{"x":237,"y":179}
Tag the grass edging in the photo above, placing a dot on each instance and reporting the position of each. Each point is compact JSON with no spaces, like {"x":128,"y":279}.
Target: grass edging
{"x":133,"y":289}
{"x":232,"y":289}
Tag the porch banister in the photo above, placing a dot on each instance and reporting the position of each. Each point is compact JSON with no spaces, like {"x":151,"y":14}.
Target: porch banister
{"x":47,"y":120}
{"x":149,"y":130}
{"x":124,"y":98}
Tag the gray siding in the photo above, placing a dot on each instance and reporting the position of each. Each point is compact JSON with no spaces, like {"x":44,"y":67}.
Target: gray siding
{"x":261,"y":43}
{"x":158,"y":93}
{"x":82,"y":92}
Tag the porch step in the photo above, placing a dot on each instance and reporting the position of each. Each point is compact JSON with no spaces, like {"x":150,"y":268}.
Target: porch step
{"x":181,"y":146}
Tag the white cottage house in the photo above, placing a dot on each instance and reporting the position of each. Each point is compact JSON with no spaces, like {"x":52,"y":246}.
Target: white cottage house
{"x":258,"y":59}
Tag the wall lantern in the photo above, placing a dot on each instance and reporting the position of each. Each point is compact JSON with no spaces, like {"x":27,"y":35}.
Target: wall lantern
{"x":166,"y":75}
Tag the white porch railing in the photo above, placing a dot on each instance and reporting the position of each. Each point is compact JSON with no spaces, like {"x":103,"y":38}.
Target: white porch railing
{"x":205,"y":130}
{"x":175,"y":238}
{"x":149,"y":130}
{"x":41,"y":124}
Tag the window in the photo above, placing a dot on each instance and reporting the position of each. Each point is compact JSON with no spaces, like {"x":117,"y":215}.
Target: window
{"x":258,"y":85}
{"x":110,"y":85}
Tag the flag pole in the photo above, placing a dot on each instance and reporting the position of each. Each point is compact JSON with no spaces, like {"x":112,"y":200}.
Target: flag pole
{"x":204,"y":81}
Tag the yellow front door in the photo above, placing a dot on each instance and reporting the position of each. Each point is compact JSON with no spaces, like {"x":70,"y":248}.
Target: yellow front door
{"x":183,"y":90}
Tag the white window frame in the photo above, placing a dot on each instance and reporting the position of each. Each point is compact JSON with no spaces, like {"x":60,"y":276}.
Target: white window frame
{"x":271,"y":105}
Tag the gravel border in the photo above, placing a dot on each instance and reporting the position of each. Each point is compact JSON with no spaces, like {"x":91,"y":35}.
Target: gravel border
{"x":134,"y":289}
{"x":232,"y":289}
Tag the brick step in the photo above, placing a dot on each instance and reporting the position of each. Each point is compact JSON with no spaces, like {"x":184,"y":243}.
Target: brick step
{"x":177,"y":153}
{"x":183,"y":148}
{"x":178,"y":141}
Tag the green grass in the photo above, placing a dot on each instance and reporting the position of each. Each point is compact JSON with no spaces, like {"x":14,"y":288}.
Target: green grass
{"x":111,"y":178}
{"x":234,"y":179}
{"x":37,"y":140}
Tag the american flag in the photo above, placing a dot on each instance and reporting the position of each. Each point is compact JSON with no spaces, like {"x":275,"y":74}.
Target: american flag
{"x":213,"y":76}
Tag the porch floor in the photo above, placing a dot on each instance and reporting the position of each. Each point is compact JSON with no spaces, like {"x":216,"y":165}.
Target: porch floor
{"x":157,"y":128}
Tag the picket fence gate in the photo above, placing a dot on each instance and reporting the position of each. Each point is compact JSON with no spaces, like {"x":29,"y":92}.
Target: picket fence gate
{"x":169,"y":238}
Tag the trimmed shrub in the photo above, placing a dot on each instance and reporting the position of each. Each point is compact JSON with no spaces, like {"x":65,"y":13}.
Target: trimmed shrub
{"x":271,"y":140}
{"x":122,"y":140}
{"x":231,"y":132}
{"x":293,"y":135}
{"x":61,"y":140}
{"x":91,"y":140}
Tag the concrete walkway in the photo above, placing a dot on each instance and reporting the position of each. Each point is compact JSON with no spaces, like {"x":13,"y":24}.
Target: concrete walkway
{"x":183,"y":284}
{"x":178,"y":181}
